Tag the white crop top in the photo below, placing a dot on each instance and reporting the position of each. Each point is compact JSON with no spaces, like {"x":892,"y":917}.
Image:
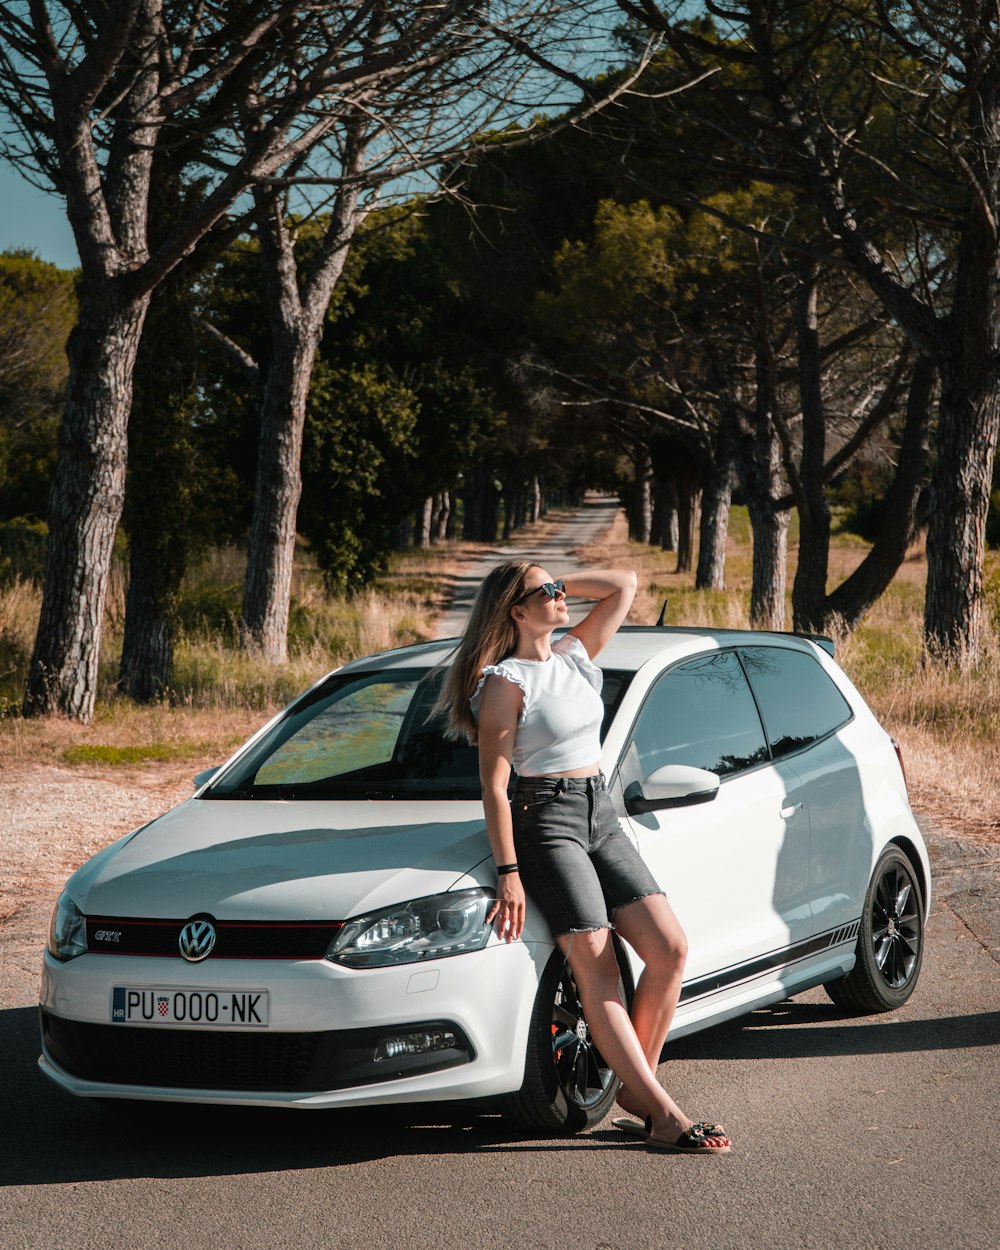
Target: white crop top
{"x":560,"y":723}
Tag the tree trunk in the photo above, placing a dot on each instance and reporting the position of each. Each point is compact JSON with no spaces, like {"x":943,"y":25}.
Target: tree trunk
{"x":770,"y":555}
{"x":296,"y":310}
{"x":442,"y":516}
{"x":848,"y":603}
{"x":86,"y":501}
{"x":966,"y":443}
{"x":715,"y":508}
{"x":664,"y":518}
{"x":642,"y":495}
{"x":489,"y":515}
{"x":809,"y":587}
{"x":271,"y":548}
{"x":521,"y":518}
{"x":148,"y":646}
{"x":687,"y":496}
{"x":423,"y":520}
{"x":536,"y":498}
{"x":761,"y":486}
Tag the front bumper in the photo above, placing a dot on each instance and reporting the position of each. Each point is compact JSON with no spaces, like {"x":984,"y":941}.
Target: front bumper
{"x":319,"y":1049}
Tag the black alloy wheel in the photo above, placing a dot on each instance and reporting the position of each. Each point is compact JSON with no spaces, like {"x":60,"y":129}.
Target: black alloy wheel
{"x":890,"y":941}
{"x":583,"y":1076}
{"x":567,"y":1085}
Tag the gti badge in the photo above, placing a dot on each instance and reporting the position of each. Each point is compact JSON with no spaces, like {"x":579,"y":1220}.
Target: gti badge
{"x":196,"y":940}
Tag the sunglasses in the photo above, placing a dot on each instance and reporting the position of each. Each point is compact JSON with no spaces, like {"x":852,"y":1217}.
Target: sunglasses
{"x":551,"y":589}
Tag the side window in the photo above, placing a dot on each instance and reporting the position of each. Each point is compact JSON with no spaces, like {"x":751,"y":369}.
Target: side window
{"x":798,"y":701}
{"x":701,"y":713}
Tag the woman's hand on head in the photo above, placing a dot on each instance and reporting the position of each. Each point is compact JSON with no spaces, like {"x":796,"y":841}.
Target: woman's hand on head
{"x":507,"y":911}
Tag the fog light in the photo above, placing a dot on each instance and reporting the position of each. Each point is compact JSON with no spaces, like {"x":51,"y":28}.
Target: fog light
{"x":415,"y":1044}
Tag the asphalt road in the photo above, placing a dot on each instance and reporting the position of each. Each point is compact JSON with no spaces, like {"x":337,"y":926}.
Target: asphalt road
{"x":557,"y":553}
{"x":877,"y":1133}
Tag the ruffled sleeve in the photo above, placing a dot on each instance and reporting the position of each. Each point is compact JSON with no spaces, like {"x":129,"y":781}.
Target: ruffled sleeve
{"x":510,"y":673}
{"x":573,"y":650}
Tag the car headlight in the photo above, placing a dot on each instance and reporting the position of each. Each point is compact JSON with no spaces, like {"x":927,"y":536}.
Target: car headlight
{"x":68,"y":930}
{"x":425,"y":928}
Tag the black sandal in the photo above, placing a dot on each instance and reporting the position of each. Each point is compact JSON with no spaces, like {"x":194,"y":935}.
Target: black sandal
{"x":698,"y":1139}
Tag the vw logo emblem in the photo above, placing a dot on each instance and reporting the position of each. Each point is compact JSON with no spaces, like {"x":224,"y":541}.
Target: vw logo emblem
{"x":196,"y":940}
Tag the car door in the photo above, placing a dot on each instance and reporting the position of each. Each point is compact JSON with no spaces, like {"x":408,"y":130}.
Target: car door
{"x":809,"y":724}
{"x":735,"y":869}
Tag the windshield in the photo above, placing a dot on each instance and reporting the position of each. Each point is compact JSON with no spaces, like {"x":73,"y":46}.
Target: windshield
{"x":367,"y":736}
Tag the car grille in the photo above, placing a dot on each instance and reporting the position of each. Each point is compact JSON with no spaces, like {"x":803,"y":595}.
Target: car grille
{"x":235,"y":939}
{"x":192,"y":1059}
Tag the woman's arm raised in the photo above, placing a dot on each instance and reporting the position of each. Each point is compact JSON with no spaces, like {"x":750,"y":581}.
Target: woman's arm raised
{"x":614,"y":590}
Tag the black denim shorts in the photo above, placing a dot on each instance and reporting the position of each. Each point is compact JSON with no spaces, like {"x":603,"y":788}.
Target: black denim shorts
{"x":576,"y":862}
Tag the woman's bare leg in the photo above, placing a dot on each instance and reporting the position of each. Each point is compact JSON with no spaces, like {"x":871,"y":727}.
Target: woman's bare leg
{"x":591,"y":957}
{"x":654,"y":932}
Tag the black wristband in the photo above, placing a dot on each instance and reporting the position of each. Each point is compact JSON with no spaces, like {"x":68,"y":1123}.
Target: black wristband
{"x":504,"y":870}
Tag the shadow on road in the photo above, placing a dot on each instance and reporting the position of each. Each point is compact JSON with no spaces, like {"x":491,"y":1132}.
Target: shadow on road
{"x":794,"y":1030}
{"x":52,"y":1138}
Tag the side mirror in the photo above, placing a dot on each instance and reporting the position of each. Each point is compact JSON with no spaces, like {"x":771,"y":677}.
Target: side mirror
{"x":204,"y":776}
{"x":673,"y":785}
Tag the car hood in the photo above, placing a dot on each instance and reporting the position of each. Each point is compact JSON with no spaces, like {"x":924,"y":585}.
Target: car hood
{"x":242,"y":860}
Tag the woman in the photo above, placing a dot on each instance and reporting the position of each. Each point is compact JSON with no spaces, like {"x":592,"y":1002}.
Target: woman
{"x":536,"y":707}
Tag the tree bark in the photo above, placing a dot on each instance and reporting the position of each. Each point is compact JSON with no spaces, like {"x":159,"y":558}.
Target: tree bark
{"x":296,"y":314}
{"x":423,"y":522}
{"x":148,"y":647}
{"x":688,"y":496}
{"x":808,"y":479}
{"x":762,"y":484}
{"x":642,"y":495}
{"x":85,"y":504}
{"x":716,"y":505}
{"x":968,"y":422}
{"x":442,"y":516}
{"x":277,"y":490}
{"x":536,"y":498}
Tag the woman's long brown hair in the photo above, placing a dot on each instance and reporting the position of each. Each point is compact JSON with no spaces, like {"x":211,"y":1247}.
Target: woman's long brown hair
{"x":489,"y":637}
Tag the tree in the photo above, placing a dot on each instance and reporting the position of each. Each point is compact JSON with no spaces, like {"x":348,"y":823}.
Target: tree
{"x":88,"y":94}
{"x":915,"y":139}
{"x":438,"y":78}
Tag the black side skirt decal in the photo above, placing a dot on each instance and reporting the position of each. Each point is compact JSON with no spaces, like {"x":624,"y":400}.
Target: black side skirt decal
{"x":727,"y":977}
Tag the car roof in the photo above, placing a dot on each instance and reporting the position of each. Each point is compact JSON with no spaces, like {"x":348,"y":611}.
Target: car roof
{"x":630,"y":648}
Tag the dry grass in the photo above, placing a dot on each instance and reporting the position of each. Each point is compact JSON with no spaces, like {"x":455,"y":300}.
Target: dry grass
{"x":219,"y":694}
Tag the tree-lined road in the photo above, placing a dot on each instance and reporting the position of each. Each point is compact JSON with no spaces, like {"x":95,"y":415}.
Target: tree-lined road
{"x":850,"y":1134}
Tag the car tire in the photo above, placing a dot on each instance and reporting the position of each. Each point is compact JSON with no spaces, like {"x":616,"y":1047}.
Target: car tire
{"x":567,"y":1086}
{"x":890,"y":942}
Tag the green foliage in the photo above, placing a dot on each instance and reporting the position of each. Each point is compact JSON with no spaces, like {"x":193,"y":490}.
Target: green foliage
{"x":397,"y":407}
{"x":22,"y":550}
{"x":125,"y":756}
{"x":993,"y":520}
{"x":37,"y":312}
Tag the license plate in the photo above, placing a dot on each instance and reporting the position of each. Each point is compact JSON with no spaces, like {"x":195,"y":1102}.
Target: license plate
{"x":132,"y":1005}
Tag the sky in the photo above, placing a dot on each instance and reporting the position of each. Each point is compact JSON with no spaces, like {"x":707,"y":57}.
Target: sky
{"x":30,"y":218}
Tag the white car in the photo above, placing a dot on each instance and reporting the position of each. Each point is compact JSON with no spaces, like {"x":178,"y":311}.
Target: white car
{"x":308,"y":929}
